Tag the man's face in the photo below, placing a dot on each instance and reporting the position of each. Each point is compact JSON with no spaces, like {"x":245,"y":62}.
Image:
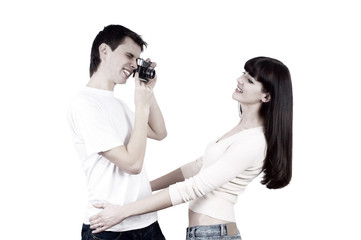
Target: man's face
{"x":121,"y":62}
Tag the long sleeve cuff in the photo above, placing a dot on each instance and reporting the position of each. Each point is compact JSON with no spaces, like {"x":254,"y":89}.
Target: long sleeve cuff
{"x":174,"y":195}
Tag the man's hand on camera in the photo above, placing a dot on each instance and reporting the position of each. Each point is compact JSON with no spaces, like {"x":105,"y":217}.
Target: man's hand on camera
{"x":151,"y":82}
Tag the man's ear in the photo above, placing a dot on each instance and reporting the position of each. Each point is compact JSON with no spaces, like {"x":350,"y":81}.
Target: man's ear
{"x":103,"y":48}
{"x":266,"y":97}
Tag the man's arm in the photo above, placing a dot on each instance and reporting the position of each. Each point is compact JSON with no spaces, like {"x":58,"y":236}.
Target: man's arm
{"x":130,"y":158}
{"x":156,"y":129}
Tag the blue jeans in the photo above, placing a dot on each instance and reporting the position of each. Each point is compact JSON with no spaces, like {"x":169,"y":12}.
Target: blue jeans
{"x":152,"y":232}
{"x":215,"y":232}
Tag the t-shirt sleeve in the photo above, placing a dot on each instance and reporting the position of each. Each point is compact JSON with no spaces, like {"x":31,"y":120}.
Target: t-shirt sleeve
{"x":94,"y":127}
{"x":239,"y":156}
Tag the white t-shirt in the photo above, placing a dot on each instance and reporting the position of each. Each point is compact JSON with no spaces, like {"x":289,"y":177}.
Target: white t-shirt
{"x":228,"y":166}
{"x":100,"y":122}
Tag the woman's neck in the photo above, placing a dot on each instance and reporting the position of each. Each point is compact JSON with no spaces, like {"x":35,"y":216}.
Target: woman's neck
{"x":250,"y":118}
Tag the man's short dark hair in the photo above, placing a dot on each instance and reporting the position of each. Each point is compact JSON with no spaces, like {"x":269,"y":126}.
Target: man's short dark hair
{"x":113,"y":36}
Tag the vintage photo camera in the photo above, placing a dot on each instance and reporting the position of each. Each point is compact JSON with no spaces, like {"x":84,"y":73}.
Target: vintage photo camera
{"x":146,"y":72}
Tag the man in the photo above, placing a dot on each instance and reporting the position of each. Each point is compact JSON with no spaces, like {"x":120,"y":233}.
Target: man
{"x":110,"y":139}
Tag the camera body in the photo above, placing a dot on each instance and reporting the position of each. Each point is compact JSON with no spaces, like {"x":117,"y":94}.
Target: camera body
{"x":146,"y":72}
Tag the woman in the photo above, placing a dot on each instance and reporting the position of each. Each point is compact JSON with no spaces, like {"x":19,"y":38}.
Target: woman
{"x":260,"y":142}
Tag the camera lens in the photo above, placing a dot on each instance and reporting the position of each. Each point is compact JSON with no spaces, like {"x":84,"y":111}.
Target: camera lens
{"x":150,"y":73}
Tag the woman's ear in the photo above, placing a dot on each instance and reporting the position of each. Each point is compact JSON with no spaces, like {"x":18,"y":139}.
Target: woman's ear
{"x":266,"y":97}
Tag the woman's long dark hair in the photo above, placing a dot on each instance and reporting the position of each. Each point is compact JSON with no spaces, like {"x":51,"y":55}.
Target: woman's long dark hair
{"x":277,"y":114}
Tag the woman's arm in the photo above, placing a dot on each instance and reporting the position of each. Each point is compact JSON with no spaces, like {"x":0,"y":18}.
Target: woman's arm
{"x":113,"y":214}
{"x":167,"y":180}
{"x":178,"y":175}
{"x":236,"y":159}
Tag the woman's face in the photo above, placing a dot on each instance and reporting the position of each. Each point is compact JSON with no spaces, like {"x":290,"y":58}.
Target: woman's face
{"x":249,"y":91}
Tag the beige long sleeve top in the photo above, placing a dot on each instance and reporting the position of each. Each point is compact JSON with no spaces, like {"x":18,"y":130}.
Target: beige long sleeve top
{"x":225,"y":170}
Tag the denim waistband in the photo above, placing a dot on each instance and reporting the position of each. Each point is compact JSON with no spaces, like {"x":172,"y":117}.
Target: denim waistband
{"x":229,"y":229}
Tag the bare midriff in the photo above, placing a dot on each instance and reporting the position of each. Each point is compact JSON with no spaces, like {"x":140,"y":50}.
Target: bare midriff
{"x":197,"y":219}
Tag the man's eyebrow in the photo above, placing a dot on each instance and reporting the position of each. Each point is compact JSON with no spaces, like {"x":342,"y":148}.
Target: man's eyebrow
{"x":130,"y":54}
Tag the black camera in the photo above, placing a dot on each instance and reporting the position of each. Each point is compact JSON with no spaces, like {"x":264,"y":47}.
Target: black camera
{"x":144,"y":69}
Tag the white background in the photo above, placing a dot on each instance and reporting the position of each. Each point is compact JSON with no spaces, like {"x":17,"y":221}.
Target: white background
{"x":200,"y":48}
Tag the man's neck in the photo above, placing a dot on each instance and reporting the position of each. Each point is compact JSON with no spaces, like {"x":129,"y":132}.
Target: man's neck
{"x":100,"y":82}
